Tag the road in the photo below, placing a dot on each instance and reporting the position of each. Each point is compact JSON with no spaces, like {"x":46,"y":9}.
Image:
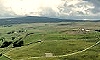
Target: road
{"x":66,"y":54}
{"x":72,"y":53}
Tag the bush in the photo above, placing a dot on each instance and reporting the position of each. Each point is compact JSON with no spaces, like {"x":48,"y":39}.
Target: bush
{"x":2,"y":39}
{"x":18,"y":43}
{"x":11,"y":32}
{"x":13,"y":38}
{"x":5,"y":44}
{"x":29,"y":34}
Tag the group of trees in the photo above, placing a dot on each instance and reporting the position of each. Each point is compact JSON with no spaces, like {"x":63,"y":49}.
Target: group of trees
{"x":5,"y":44}
{"x":17,"y":43}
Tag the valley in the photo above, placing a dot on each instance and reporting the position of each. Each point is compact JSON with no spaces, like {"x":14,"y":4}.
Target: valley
{"x":50,"y":41}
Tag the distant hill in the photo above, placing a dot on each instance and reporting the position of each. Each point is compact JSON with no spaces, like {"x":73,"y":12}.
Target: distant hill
{"x":34,"y":19}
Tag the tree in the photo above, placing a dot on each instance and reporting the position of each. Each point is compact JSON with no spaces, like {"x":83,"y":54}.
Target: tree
{"x":5,"y":44}
{"x":18,"y":43}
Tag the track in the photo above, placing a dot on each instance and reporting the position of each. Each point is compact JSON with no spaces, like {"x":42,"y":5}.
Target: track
{"x":62,"y":55}
{"x":72,"y":53}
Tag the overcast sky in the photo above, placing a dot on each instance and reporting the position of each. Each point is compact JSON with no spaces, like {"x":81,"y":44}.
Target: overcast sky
{"x":51,"y":8}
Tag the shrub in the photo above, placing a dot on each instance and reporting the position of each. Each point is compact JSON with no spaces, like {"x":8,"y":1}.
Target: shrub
{"x":13,"y":38}
{"x":5,"y":44}
{"x":11,"y":32}
{"x":2,"y":39}
{"x":18,"y":43}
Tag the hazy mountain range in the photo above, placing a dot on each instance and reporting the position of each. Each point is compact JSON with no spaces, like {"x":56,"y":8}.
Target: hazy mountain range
{"x":36,"y":19}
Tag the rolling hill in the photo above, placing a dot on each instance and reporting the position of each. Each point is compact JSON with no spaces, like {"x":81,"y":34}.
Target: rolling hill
{"x":34,"y":19}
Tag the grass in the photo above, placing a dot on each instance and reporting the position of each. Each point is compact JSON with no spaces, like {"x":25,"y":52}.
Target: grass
{"x":57,"y":38}
{"x":55,"y":47}
{"x":4,"y":58}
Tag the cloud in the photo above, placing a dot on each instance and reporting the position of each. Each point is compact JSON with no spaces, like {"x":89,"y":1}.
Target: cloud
{"x":4,"y":12}
{"x":47,"y":11}
{"x":25,"y":7}
{"x":50,"y":8}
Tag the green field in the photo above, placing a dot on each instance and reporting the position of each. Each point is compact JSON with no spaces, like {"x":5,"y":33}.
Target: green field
{"x":32,"y":40}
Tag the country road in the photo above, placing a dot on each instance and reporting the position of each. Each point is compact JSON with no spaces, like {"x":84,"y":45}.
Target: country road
{"x":79,"y":51}
{"x":72,"y":53}
{"x":62,"y":55}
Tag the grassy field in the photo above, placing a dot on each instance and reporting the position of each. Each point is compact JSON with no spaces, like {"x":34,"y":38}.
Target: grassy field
{"x":36,"y":39}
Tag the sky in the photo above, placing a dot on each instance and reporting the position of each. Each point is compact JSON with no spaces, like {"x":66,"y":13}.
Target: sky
{"x":73,"y":9}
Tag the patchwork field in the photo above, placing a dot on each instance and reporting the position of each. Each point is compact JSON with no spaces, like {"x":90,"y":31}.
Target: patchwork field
{"x":50,"y":41}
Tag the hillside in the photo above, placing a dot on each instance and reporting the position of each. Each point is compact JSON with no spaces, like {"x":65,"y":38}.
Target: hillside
{"x":34,"y":19}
